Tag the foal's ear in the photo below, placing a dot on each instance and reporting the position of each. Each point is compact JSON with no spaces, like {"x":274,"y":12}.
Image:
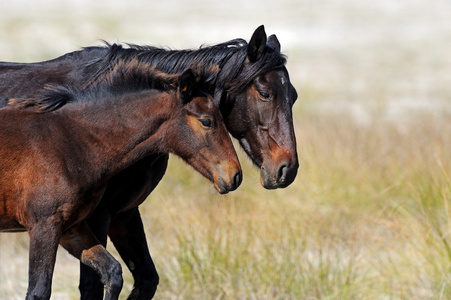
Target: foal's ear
{"x":187,"y":86}
{"x":256,"y":46}
{"x":274,"y":42}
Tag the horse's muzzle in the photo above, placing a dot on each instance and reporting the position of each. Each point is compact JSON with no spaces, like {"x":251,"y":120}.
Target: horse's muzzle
{"x":280,"y":176}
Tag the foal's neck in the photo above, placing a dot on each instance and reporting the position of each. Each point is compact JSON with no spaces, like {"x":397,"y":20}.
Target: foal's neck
{"x":125,"y":129}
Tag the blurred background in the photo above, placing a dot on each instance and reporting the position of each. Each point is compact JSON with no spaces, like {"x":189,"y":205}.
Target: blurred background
{"x":368,"y":215}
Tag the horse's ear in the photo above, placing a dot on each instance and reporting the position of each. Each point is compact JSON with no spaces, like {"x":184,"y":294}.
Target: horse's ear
{"x":274,"y":42}
{"x":187,"y":86}
{"x":256,"y":46}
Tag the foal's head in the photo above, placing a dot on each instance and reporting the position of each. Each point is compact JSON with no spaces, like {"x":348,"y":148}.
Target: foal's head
{"x":199,"y":136}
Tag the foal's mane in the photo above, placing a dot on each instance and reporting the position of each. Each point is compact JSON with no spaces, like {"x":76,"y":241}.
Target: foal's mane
{"x":122,"y":78}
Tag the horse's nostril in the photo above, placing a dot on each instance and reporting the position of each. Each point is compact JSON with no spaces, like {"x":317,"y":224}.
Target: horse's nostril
{"x":282,"y":173}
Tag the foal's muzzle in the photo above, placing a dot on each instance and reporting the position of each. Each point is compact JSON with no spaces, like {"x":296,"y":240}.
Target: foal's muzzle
{"x":224,"y":186}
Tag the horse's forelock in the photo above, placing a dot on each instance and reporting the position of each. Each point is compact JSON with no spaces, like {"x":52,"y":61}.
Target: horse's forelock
{"x":271,"y":60}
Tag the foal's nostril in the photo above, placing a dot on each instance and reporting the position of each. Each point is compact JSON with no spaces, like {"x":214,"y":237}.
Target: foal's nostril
{"x":236,"y":180}
{"x":221,"y":185}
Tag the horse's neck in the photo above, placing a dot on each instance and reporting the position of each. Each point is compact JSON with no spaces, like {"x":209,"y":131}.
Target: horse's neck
{"x":226,"y":73}
{"x":125,"y":131}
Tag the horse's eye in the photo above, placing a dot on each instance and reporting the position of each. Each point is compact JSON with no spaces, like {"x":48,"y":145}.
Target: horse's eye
{"x":264,"y":96}
{"x":206,"y":123}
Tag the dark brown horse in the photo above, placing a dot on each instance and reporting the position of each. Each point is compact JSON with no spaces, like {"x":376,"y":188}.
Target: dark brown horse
{"x":253,"y":90}
{"x":59,"y":151}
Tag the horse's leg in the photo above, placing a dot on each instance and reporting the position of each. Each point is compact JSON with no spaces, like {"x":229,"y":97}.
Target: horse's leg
{"x":127,"y":234}
{"x":81,"y":243}
{"x":126,"y":229}
{"x":44,"y":239}
{"x":91,"y":286}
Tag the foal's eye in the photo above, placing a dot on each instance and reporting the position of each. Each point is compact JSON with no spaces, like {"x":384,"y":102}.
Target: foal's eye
{"x":264,"y":96}
{"x":206,"y":123}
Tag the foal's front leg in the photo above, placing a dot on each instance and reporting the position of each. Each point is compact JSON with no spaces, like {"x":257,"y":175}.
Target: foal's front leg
{"x":44,"y":239}
{"x":81,"y":243}
{"x":91,"y":287}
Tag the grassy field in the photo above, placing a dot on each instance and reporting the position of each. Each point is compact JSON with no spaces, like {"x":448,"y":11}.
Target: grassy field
{"x":369,"y":215}
{"x":368,"y":218}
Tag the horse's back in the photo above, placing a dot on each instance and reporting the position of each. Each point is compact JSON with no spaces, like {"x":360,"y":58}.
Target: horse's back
{"x":26,"y":79}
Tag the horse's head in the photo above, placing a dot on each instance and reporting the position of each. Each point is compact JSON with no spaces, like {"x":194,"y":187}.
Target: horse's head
{"x":199,"y":137}
{"x":261,"y":115}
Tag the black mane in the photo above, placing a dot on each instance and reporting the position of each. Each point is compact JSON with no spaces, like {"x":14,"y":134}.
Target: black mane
{"x":228,"y":57}
{"x":175,"y":61}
